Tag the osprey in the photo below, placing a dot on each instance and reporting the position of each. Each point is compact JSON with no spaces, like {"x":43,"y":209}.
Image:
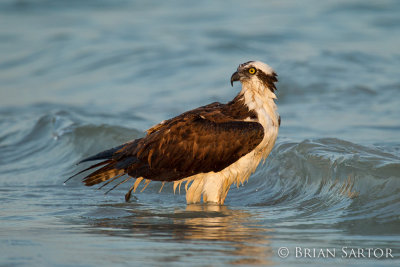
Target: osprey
{"x":210,"y":147}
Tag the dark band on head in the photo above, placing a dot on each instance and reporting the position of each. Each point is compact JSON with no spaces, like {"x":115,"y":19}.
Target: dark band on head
{"x":269,"y":80}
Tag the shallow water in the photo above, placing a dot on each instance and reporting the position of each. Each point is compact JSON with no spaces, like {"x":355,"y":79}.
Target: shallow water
{"x":77,"y":77}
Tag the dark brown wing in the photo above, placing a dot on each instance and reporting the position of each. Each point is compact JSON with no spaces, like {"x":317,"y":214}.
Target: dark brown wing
{"x":191,"y":144}
{"x":198,"y":141}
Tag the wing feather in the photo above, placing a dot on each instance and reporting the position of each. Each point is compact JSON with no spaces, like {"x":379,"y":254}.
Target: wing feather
{"x":193,"y":144}
{"x":198,"y":141}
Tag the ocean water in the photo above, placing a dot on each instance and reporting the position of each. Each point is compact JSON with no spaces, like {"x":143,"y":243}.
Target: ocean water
{"x":77,"y":77}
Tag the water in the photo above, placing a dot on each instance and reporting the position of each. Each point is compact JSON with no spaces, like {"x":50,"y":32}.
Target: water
{"x":77,"y":77}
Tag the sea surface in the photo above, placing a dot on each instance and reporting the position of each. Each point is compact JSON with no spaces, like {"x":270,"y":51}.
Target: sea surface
{"x":80,"y":76}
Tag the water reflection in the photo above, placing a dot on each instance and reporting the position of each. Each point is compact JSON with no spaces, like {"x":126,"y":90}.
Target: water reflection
{"x":235,"y":233}
{"x":235,"y":226}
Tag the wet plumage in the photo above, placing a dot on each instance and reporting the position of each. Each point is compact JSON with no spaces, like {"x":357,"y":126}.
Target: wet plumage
{"x":212,"y":146}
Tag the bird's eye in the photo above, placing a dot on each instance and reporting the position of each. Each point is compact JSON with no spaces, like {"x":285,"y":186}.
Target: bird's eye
{"x":252,"y":70}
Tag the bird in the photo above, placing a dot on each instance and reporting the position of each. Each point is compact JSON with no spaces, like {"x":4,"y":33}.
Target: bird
{"x":208,"y":148}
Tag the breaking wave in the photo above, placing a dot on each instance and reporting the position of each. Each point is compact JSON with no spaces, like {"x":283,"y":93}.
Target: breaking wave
{"x":320,"y":178}
{"x":327,"y":177}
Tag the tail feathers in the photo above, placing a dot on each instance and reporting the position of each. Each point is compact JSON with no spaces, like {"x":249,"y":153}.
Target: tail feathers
{"x":103,"y":174}
{"x":113,"y":170}
{"x":91,"y":167}
{"x":115,"y":164}
{"x":109,"y":170}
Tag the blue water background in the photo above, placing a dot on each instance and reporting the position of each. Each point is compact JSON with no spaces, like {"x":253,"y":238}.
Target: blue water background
{"x":77,"y":77}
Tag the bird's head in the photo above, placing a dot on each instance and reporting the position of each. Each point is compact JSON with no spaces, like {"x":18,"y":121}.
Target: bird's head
{"x":255,"y":74}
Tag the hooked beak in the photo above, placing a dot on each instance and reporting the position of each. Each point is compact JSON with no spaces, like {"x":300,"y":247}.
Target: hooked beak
{"x":235,"y":77}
